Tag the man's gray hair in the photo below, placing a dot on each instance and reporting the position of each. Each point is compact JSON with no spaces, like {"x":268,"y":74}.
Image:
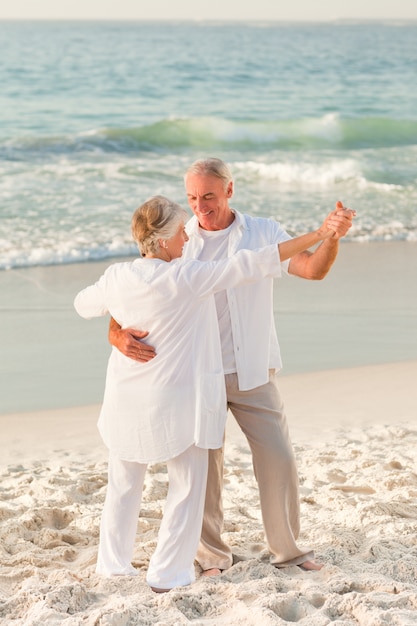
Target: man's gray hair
{"x":211,"y":167}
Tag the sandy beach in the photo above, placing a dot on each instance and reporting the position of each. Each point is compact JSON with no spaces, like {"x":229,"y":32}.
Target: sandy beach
{"x":351,"y":397}
{"x":358,"y":488}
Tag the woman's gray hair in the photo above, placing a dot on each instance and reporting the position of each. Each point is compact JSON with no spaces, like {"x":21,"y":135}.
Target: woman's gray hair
{"x":211,"y":167}
{"x":157,"y":218}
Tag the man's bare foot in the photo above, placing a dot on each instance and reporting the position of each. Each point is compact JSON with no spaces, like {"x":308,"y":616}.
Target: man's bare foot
{"x":156,"y":590}
{"x":310,"y":566}
{"x":213,"y":571}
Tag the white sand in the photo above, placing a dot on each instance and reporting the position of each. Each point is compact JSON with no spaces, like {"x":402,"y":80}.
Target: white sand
{"x":358,"y":489}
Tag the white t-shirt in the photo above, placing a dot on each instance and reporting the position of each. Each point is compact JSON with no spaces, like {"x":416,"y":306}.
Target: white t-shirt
{"x":216,"y":245}
{"x":255,"y":341}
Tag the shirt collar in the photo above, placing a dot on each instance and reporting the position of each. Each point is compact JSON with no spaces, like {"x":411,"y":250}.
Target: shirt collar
{"x":194,"y":230}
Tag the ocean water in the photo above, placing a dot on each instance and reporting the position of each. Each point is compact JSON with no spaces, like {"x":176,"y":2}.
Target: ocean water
{"x":96,"y":117}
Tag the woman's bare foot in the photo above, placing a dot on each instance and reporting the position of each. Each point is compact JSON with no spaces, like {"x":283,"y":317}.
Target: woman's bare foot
{"x":213,"y":571}
{"x":310,"y":566}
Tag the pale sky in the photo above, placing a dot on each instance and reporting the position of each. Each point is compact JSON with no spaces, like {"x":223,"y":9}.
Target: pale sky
{"x":316,"y":10}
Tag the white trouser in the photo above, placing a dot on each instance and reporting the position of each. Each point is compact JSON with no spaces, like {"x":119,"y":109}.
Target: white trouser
{"x":172,"y":563}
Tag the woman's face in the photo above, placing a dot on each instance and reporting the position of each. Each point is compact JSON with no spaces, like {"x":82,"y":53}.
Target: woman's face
{"x":174,"y":246}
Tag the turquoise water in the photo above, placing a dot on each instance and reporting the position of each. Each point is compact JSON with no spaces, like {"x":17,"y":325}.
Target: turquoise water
{"x":96,"y":117}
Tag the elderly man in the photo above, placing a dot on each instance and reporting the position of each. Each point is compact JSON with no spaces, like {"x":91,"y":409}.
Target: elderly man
{"x":251,"y":360}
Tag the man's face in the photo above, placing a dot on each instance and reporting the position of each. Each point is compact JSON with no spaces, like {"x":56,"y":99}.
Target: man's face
{"x":209,"y":200}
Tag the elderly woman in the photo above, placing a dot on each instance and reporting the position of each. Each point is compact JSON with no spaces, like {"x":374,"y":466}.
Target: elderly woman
{"x":172,"y":408}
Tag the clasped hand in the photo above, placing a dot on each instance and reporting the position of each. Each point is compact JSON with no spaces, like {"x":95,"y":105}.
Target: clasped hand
{"x":338,"y":221}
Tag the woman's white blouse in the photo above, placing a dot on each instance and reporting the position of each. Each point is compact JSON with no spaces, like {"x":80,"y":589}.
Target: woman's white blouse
{"x":154,"y":411}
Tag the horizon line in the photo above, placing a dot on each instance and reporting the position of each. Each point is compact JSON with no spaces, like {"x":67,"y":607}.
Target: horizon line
{"x":210,"y":20}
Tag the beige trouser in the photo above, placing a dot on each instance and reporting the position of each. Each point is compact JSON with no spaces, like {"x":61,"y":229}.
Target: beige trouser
{"x":260,"y":414}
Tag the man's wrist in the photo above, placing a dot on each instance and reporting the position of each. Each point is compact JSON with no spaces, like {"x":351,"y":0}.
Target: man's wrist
{"x":113,"y":335}
{"x":331,"y":242}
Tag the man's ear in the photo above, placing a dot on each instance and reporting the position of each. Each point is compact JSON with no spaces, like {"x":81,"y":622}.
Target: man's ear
{"x":229,"y":190}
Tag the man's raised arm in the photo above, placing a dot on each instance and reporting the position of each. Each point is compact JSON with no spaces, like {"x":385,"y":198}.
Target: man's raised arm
{"x":316,"y":265}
